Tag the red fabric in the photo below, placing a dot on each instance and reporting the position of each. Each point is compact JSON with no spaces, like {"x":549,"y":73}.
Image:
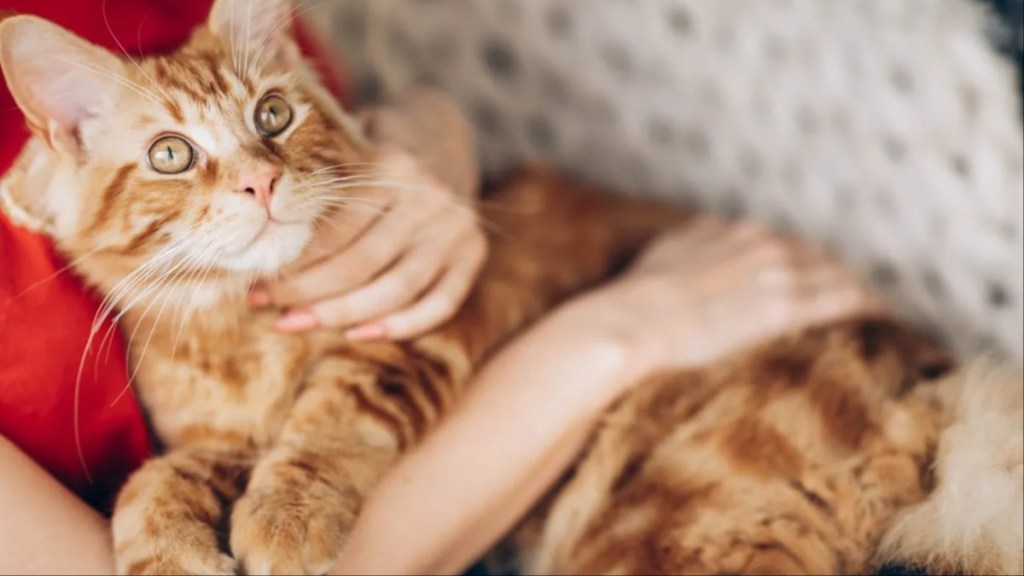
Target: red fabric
{"x":45,"y":315}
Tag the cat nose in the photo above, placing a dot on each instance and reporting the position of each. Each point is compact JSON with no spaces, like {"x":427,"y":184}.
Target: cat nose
{"x":260,"y":183}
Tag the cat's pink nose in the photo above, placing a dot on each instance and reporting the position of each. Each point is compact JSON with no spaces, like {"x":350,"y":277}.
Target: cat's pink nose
{"x":260,"y":183}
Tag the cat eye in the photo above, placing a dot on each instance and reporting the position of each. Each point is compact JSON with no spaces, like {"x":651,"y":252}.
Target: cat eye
{"x":171,"y":155}
{"x":273,"y":115}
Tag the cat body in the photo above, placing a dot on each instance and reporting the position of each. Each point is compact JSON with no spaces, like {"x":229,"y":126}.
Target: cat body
{"x":793,"y":458}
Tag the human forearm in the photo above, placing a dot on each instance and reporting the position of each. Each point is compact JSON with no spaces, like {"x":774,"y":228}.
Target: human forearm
{"x":548,"y":470}
{"x":44,"y":529}
{"x":531,"y":408}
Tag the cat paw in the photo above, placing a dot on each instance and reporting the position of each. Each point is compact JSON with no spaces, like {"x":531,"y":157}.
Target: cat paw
{"x":283,"y":531}
{"x":182,"y":561}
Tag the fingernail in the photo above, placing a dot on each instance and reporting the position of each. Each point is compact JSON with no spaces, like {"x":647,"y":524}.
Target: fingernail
{"x":365,"y":332}
{"x":259,"y":298}
{"x":297,"y":322}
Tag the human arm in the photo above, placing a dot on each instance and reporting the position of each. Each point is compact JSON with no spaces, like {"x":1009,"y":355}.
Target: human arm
{"x":695,"y":296}
{"x":531,"y":410}
{"x":404,"y":253}
{"x":44,"y":528}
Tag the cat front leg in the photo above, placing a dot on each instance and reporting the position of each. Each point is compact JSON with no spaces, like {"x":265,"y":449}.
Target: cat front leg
{"x":305,"y":494}
{"x":168,"y":517}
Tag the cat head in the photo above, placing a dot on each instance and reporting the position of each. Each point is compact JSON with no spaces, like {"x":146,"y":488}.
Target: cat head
{"x":219,"y":156}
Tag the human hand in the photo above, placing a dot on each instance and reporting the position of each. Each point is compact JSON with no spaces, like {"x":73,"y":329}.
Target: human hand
{"x":710,"y":288}
{"x":400,"y":259}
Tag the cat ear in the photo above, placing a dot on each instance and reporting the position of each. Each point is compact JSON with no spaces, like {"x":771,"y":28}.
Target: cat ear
{"x":57,"y":79}
{"x":253,"y":27}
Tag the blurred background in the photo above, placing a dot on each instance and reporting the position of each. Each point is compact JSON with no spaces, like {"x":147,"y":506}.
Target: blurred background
{"x":887,"y":130}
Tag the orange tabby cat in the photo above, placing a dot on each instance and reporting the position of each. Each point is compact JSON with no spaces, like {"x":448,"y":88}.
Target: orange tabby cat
{"x":156,"y":179}
{"x":793,"y":458}
{"x":172,"y":184}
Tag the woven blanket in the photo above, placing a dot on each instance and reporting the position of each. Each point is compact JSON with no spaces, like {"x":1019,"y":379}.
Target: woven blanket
{"x":887,"y":130}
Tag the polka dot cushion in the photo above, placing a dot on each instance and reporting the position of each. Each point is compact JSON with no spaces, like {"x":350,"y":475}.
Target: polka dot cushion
{"x":888,"y":130}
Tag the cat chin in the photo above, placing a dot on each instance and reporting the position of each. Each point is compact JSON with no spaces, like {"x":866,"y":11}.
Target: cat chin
{"x":275,"y":249}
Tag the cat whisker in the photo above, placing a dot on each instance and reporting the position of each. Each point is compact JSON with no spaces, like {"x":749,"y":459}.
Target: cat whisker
{"x":162,"y":285}
{"x":183,"y":309}
{"x":355,"y":208}
{"x":451,"y":202}
{"x":122,"y":288}
{"x":394,"y":185}
{"x":181,"y":264}
{"x":199,"y":283}
{"x":328,"y":187}
{"x":248,"y":36}
{"x":140,"y":90}
{"x":106,"y":21}
{"x":233,"y":46}
{"x":167,"y":285}
{"x":170,"y":281}
{"x":363,"y":179}
{"x":346,"y":201}
{"x":327,"y":179}
{"x":322,"y":251}
{"x":102,"y":313}
{"x":138,"y":32}
{"x":346,"y":166}
{"x":62,"y":270}
{"x":458,"y":203}
{"x":333,"y":224}
{"x":296,"y":13}
{"x":147,"y":290}
{"x":154,"y":265}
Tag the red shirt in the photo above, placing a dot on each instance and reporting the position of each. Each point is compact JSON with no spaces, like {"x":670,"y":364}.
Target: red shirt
{"x":46,"y":314}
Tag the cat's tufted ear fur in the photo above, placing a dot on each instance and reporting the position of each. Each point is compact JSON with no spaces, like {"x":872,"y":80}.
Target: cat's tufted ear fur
{"x":256,"y":30}
{"x":57,"y":79}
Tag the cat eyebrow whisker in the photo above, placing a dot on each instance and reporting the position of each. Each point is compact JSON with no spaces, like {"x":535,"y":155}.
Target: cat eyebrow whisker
{"x":140,"y":90}
{"x":106,"y":21}
{"x":234,"y":51}
{"x":296,"y":12}
{"x":248,"y":40}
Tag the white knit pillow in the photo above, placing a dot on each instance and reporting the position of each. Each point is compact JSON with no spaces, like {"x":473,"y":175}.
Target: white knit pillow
{"x":888,"y":130}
